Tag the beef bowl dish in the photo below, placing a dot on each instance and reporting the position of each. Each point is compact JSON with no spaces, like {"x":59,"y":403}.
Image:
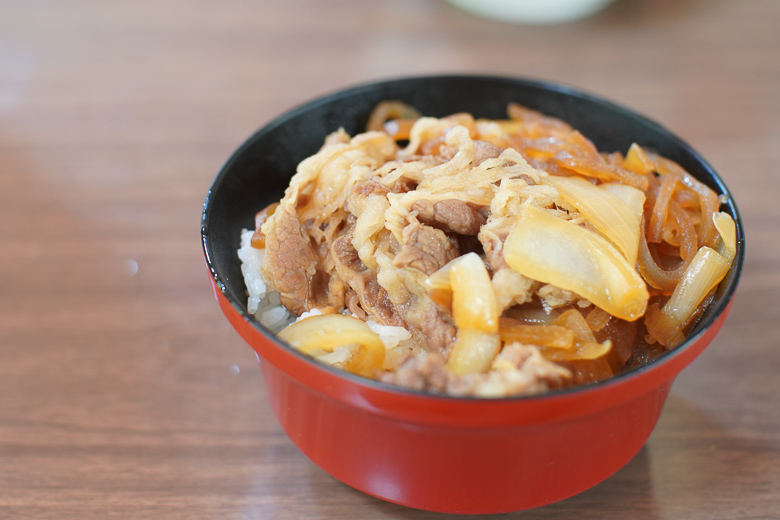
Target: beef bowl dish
{"x":470,"y":294}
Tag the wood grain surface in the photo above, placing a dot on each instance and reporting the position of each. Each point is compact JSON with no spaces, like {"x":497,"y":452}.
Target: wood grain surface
{"x":124,"y":393}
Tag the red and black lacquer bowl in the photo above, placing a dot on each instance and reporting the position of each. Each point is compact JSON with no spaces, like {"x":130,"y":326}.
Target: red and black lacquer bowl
{"x":433,"y":452}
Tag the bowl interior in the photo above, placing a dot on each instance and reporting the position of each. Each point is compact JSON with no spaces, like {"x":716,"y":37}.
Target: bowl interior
{"x":259,"y":171}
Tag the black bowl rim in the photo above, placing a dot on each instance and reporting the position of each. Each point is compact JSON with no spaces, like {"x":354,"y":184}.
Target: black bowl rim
{"x":713,"y":313}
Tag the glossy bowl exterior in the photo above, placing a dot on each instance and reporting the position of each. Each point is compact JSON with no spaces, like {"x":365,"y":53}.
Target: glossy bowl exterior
{"x":441,"y":453}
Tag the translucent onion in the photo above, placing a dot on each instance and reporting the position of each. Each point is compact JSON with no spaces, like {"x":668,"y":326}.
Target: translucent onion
{"x":573,"y":320}
{"x":597,"y":319}
{"x":474,"y":303}
{"x":399,"y":129}
{"x":585,"y":346}
{"x":327,"y":332}
{"x":439,"y":287}
{"x":473,"y":351}
{"x":636,"y":160}
{"x":390,"y":110}
{"x":661,"y":207}
{"x":705,"y":271}
{"x":709,"y":206}
{"x":475,"y":313}
{"x":528,"y":316}
{"x":686,"y":232}
{"x":258,"y":238}
{"x":608,"y":212}
{"x":597,"y":168}
{"x":370,"y":220}
{"x":708,"y":199}
{"x":728,"y":234}
{"x":586,"y":350}
{"x":552,"y":250}
{"x":553,"y":336}
{"x":634,"y":198}
{"x":655,"y":276}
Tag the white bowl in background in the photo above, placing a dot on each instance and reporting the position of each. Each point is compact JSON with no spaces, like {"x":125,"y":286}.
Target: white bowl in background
{"x":532,"y":11}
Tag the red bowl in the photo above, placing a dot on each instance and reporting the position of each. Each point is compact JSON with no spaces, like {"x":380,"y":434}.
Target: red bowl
{"x":434,"y":452}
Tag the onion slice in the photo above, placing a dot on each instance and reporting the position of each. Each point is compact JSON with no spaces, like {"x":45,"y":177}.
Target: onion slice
{"x":552,"y":250}
{"x":327,"y":332}
{"x":439,"y":286}
{"x":704,"y":273}
{"x":636,"y":160}
{"x":553,"y":336}
{"x":586,"y":350}
{"x":474,"y":303}
{"x":728,"y":234}
{"x":475,"y":313}
{"x":634,"y":198}
{"x":473,"y":351}
{"x":608,"y":212}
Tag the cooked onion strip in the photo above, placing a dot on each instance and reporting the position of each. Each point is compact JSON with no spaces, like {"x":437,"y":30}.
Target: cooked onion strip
{"x":326,"y":332}
{"x":597,"y":318}
{"x":586,"y":351}
{"x":585,"y":348}
{"x":555,"y":251}
{"x":636,"y":160}
{"x":575,"y":322}
{"x":660,"y":209}
{"x":475,"y":312}
{"x":599,"y":169}
{"x":705,"y":271}
{"x":473,"y":300}
{"x":553,"y":336}
{"x":634,"y":198}
{"x":686,"y":233}
{"x":439,"y":286}
{"x":473,"y":351}
{"x":708,"y":199}
{"x":608,"y":213}
{"x":653,"y":274}
{"x":728,"y":234}
{"x":391,"y":110}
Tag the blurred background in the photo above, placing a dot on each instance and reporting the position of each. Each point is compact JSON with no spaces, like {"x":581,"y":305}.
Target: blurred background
{"x":123,"y":391}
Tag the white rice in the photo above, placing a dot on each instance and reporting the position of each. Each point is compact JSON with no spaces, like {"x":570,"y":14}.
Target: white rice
{"x":262,"y":303}
{"x":390,"y":335}
{"x":266,"y":306}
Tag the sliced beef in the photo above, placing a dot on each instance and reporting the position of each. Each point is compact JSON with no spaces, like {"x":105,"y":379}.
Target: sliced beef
{"x":366,"y":295}
{"x":425,"y":212}
{"x":439,"y":331}
{"x":290,"y":261}
{"x":369,"y":187}
{"x":450,"y":215}
{"x":458,"y":216}
{"x":375,"y":300}
{"x":424,"y":372}
{"x":425,"y":249}
{"x":484,"y":150}
{"x":345,"y":255}
{"x":527,"y":178}
{"x":372,"y":186}
{"x":518,"y":369}
{"x":352,"y":302}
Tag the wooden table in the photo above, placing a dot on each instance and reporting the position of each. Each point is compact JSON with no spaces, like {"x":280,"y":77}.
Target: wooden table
{"x":124,"y":393}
